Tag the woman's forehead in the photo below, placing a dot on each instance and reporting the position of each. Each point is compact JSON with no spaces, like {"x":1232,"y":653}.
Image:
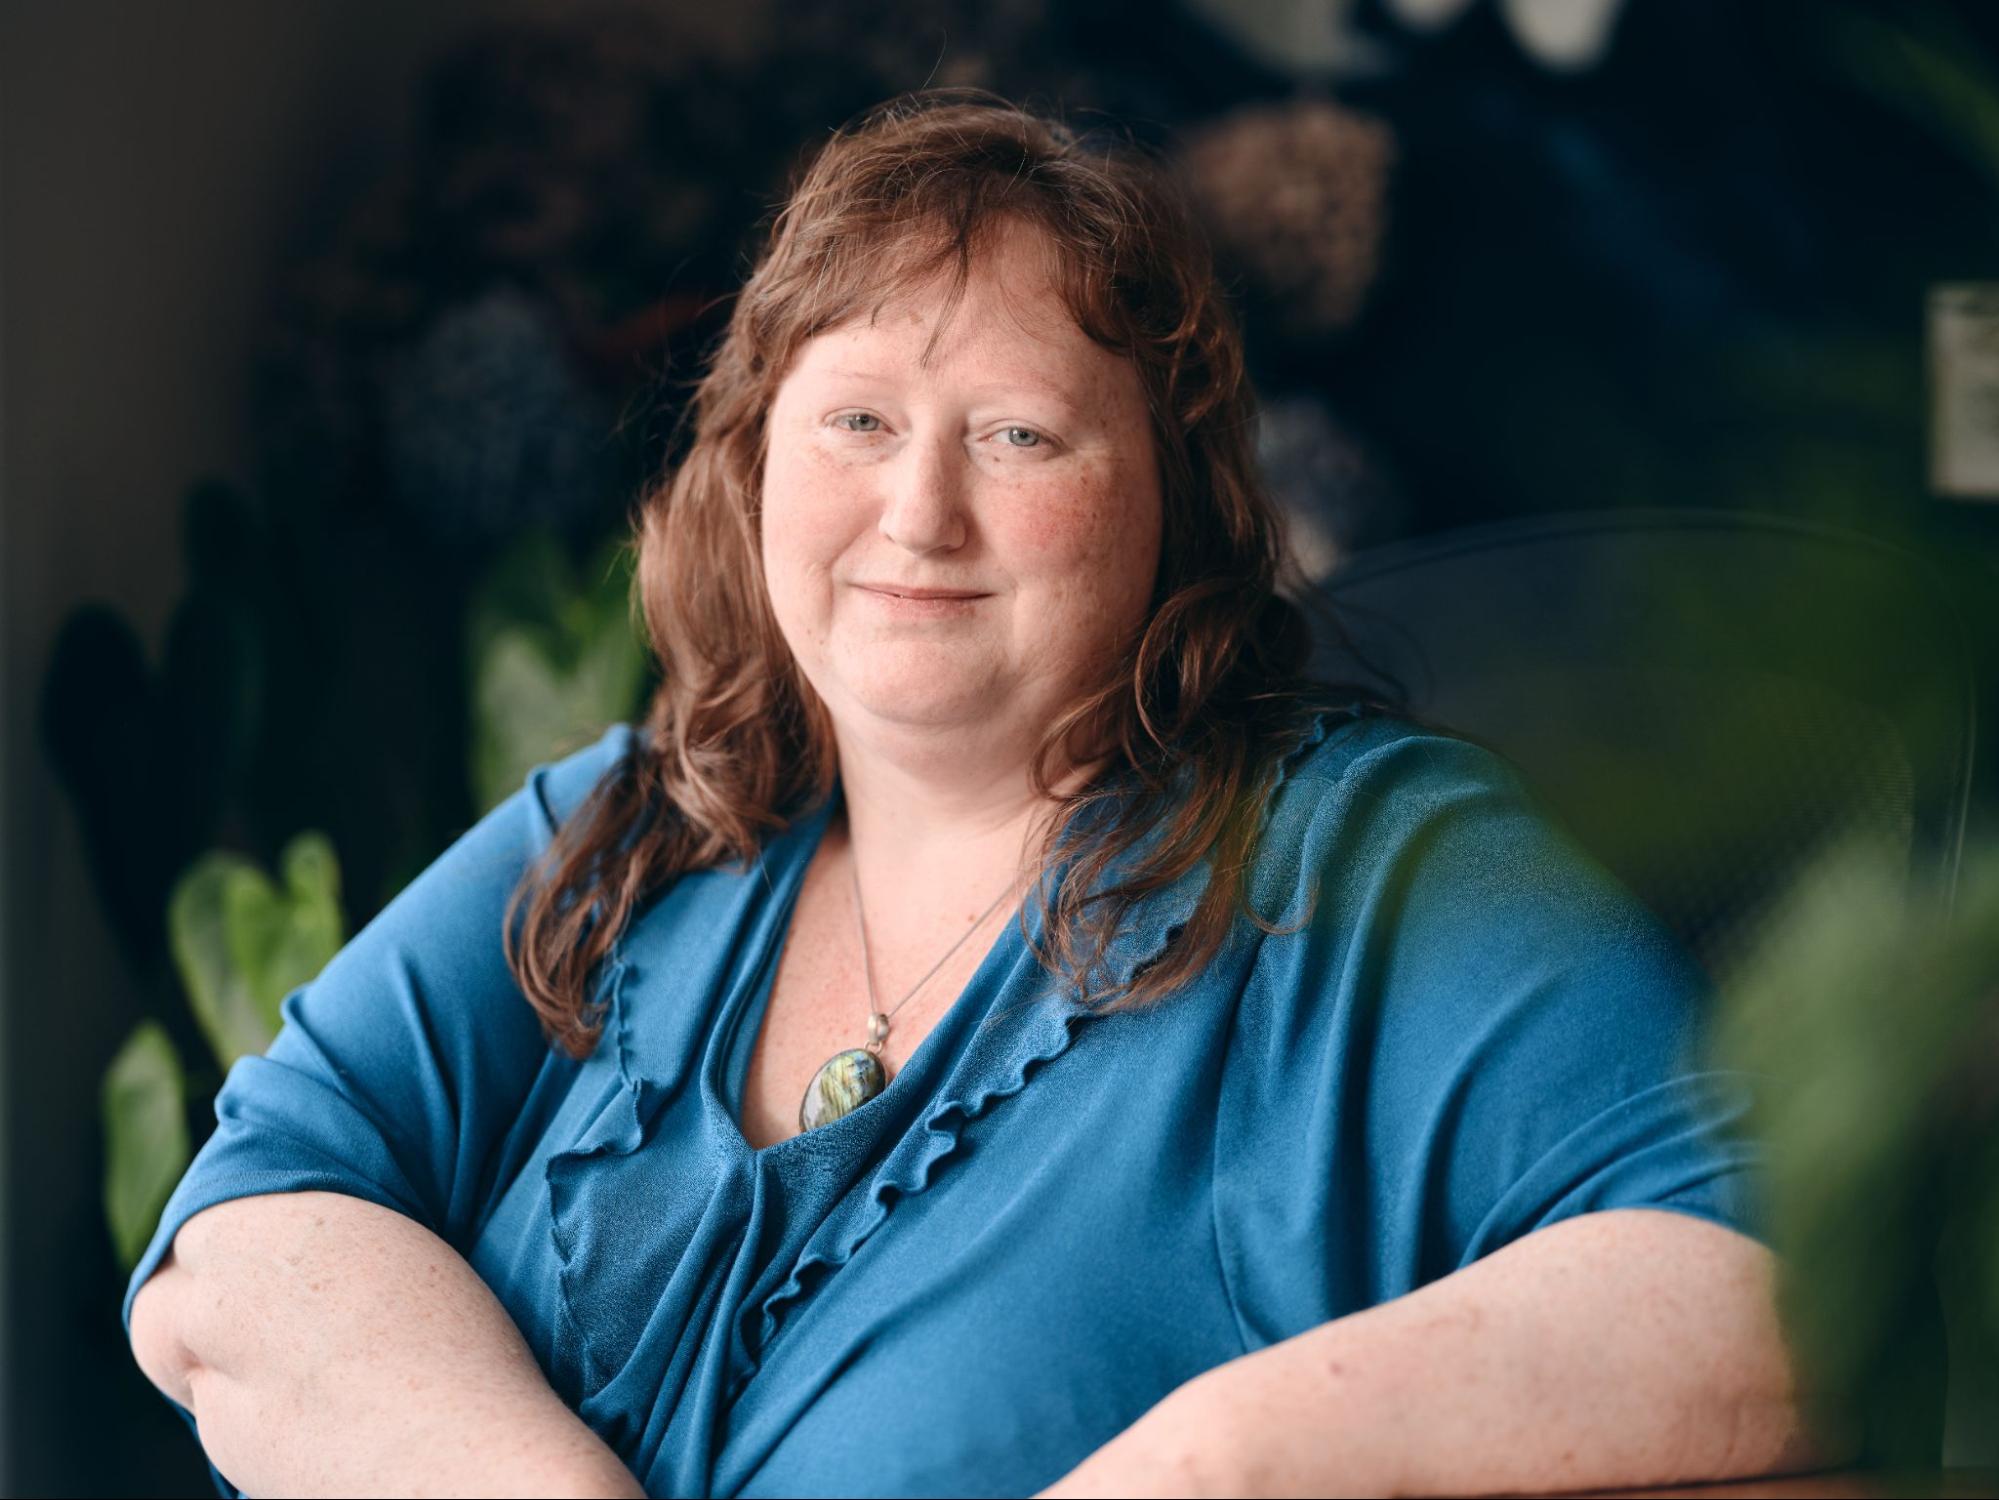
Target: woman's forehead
{"x":894,"y":347}
{"x":1029,"y":334}
{"x":1014,"y":269}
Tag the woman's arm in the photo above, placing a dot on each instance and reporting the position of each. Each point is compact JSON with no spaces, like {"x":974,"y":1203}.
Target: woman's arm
{"x":1624,"y":1348}
{"x":328,"y":1346}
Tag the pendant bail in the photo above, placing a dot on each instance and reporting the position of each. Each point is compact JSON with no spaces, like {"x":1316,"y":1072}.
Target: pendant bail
{"x":877,"y":1029}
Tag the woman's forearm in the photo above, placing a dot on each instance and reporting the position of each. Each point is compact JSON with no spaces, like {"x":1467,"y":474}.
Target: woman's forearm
{"x":1610,"y":1350}
{"x":328,"y":1346}
{"x":1616,"y":1349}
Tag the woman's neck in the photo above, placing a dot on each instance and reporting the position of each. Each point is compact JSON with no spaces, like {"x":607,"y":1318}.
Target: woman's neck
{"x":966,"y":824}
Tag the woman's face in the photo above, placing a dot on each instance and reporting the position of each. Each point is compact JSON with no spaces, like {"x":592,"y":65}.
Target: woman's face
{"x":960,"y":547}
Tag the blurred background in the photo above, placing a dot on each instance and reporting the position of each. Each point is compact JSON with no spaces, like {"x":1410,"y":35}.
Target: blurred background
{"x":337,"y":336}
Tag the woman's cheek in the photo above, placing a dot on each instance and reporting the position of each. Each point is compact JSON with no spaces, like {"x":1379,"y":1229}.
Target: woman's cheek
{"x":1070,"y":522}
{"x":1094,"y":550}
{"x":811,"y":510}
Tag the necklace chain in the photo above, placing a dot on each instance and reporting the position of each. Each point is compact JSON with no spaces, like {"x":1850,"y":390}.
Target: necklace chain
{"x":878,"y":1019}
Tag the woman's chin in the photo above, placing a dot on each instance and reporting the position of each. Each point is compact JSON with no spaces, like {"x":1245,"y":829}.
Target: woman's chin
{"x":927,"y":709}
{"x":923,"y":700}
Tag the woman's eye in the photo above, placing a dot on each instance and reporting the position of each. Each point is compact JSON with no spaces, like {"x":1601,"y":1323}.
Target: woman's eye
{"x":1027,"y":439}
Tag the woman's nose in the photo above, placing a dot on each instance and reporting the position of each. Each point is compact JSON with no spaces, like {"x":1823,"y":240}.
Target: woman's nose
{"x":923,"y":504}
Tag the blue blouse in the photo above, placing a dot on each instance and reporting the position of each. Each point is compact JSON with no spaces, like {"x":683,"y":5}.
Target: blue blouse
{"x":1050,"y":1218}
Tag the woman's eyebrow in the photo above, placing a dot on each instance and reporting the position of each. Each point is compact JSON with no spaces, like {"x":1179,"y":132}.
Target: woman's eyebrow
{"x":1022,"y":386}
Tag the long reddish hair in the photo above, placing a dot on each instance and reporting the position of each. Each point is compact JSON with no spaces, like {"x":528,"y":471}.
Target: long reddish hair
{"x":1190,"y":721}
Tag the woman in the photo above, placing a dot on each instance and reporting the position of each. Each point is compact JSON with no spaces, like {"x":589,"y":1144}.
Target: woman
{"x":1316,"y":1122}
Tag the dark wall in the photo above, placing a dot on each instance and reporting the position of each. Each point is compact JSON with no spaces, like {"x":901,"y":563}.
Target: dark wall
{"x":158,"y":161}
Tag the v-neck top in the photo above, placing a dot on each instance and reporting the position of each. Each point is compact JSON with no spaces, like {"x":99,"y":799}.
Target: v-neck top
{"x":1464,"y":1029}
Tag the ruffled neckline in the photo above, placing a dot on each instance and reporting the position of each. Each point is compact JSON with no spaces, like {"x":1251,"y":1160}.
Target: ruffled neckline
{"x":1047,"y":1030}
{"x":1029,"y":1020}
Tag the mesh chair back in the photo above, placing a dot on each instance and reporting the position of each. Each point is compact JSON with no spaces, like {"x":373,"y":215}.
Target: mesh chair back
{"x":1706,"y":700}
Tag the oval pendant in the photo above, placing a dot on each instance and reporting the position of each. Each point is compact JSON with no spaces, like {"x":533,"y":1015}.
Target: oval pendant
{"x":844,"y":1082}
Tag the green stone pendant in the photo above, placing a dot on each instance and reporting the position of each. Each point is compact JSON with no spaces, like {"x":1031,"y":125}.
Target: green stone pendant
{"x":844,"y":1082}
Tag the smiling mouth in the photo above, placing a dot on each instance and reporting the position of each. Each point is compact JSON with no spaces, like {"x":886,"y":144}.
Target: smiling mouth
{"x":919,"y":594}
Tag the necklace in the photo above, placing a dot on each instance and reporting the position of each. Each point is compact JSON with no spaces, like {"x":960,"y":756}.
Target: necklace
{"x":849,"y":1079}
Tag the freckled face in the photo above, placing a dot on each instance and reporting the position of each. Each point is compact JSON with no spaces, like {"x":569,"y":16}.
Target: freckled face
{"x":962,"y":546}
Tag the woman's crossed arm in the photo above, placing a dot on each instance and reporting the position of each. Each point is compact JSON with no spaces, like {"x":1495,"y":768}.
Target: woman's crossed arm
{"x":1625,"y":1348}
{"x":329,"y":1346}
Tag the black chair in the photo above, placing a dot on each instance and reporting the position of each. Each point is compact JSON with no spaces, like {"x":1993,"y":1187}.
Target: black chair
{"x":1704,"y":699}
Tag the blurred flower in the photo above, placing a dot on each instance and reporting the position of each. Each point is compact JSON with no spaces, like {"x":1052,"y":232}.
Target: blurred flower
{"x":1313,"y":39}
{"x":1332,"y":490}
{"x":1296,"y":197}
{"x":488,"y":428}
{"x":1569,"y":35}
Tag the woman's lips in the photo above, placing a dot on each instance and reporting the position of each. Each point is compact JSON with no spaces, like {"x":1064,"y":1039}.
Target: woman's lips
{"x":920,"y":603}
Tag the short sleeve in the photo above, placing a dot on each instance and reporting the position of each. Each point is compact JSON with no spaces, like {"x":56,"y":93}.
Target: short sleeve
{"x":400,"y":1068}
{"x":1477,"y":1032}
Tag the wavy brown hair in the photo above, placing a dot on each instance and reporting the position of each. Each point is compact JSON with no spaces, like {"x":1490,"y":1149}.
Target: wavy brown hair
{"x":1189,"y":723}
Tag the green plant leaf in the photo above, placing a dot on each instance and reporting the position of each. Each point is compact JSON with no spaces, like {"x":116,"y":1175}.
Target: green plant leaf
{"x":217,"y":989}
{"x":1928,"y":66}
{"x":1869,"y":1015}
{"x":145,"y":1137}
{"x":242,"y":943}
{"x":553,"y":661}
